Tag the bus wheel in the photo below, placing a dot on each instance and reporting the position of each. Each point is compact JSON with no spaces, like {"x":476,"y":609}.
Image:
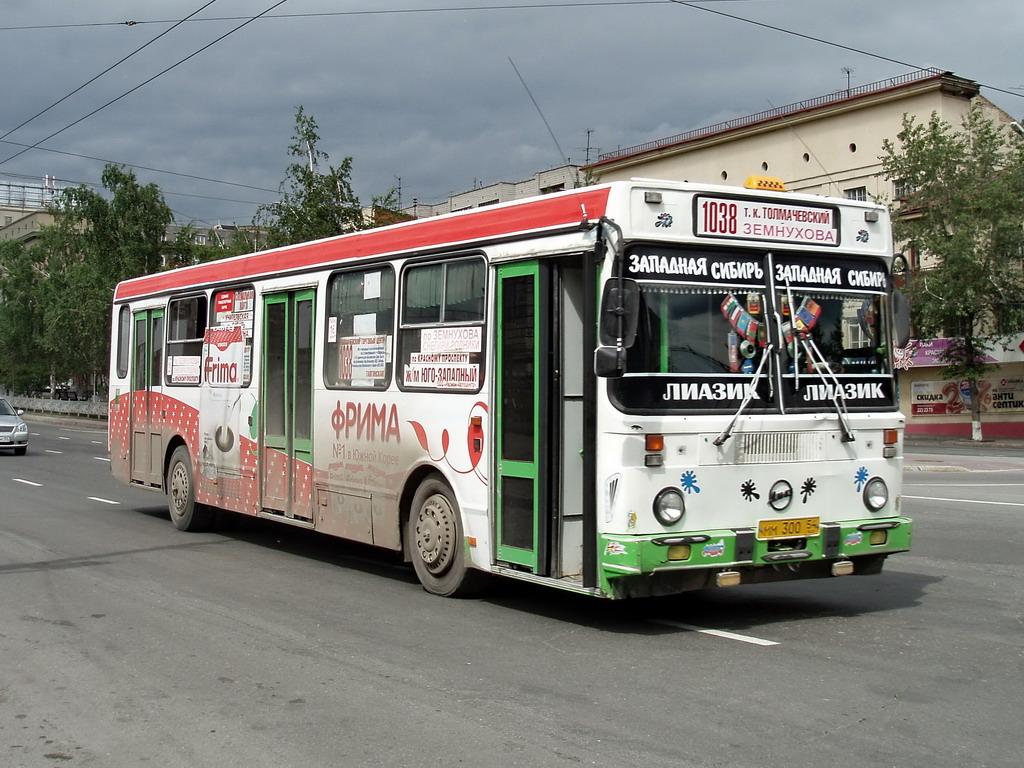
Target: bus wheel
{"x":186,"y":513}
{"x":435,"y":541}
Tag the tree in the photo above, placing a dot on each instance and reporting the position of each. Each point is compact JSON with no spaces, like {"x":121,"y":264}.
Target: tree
{"x":22,"y":367}
{"x":314,"y":205}
{"x":95,"y":242}
{"x":964,"y":207}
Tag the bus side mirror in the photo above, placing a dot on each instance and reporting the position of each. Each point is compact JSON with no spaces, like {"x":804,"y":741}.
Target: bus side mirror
{"x":621,"y":299}
{"x":900,"y":319}
{"x":609,"y":362}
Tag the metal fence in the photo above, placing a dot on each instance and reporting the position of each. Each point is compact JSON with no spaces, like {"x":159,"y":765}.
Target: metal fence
{"x":87,"y":409}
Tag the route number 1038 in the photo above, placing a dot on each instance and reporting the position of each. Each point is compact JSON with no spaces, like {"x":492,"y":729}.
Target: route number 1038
{"x":719,"y":217}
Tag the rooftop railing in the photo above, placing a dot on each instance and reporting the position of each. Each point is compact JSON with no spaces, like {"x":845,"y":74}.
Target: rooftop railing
{"x":768,"y":114}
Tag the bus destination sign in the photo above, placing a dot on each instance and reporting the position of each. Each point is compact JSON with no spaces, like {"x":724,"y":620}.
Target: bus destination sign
{"x":726,"y":217}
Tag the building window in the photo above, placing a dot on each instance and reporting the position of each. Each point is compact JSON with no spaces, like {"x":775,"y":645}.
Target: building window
{"x":553,"y":188}
{"x":901,"y":189}
{"x":856,"y":193}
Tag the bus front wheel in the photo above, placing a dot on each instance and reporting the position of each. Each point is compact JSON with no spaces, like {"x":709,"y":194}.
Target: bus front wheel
{"x":436,"y":542}
{"x":186,"y":513}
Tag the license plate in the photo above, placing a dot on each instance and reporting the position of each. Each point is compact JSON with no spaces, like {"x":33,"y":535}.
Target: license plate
{"x":791,"y":528}
{"x":4,"y":439}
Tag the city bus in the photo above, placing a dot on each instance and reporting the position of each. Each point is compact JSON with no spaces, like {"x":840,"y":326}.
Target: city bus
{"x":631,"y":389}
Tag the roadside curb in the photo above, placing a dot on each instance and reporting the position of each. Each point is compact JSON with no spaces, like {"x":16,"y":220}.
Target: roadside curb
{"x":951,"y":468}
{"x":65,"y":420}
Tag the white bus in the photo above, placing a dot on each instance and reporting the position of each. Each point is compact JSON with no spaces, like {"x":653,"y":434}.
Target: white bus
{"x":631,"y":389}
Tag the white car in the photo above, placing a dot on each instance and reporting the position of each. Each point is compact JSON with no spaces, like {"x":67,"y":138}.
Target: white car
{"x":13,"y":431}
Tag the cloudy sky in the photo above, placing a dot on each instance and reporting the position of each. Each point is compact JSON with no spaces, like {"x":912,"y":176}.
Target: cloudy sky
{"x":424,"y":90}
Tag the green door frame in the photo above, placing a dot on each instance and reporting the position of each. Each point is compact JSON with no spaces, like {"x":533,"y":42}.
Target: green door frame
{"x":152,"y":471}
{"x":288,"y":443}
{"x":532,"y":469}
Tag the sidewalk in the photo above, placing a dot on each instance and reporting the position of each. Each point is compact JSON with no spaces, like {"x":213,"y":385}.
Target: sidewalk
{"x":938,"y":454}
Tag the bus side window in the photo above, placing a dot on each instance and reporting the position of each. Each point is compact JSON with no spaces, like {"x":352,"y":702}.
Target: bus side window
{"x":442,"y":326}
{"x":186,"y":326}
{"x":360,"y":325}
{"x":124,"y":327}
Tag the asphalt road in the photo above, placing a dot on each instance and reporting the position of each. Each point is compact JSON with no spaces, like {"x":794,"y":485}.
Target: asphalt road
{"x":124,"y":642}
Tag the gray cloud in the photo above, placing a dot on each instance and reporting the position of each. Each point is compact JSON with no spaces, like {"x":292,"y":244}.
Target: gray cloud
{"x":432,"y":98}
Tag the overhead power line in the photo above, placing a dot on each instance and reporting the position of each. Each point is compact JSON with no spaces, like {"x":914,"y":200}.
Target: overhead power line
{"x":561,"y":154}
{"x":147,"y":81}
{"x":377,"y":12}
{"x":101,"y":74}
{"x":108,"y":161}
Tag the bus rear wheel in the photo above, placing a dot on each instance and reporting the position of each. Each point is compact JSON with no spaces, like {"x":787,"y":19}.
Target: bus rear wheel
{"x":186,"y":513}
{"x":435,"y":542}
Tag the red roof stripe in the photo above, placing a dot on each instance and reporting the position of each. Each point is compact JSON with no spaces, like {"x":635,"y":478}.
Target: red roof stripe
{"x":556,"y":210}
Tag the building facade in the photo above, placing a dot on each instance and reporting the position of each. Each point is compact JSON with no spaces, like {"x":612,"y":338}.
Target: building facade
{"x":542,"y":183}
{"x":832,"y":145}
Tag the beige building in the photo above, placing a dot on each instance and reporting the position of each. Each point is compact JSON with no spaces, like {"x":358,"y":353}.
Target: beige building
{"x":23,"y":208}
{"x":831,"y":145}
{"x":542,"y":183}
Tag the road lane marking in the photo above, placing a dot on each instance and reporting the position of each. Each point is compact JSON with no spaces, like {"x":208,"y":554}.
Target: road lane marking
{"x":34,"y":434}
{"x":105,"y":501}
{"x":96,"y":442}
{"x":27,"y":482}
{"x":716,"y":632}
{"x":49,"y":450}
{"x":63,"y":438}
{"x":967,"y":501}
{"x":101,"y":458}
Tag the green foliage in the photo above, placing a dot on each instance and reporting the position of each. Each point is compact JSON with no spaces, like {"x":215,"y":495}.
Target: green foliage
{"x":965,"y":208}
{"x":314,"y":204}
{"x":22,"y":368}
{"x":57,"y":294}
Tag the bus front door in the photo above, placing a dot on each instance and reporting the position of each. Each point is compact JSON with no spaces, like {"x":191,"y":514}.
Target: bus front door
{"x":286,"y":410}
{"x":147,"y":457}
{"x":521,"y":415}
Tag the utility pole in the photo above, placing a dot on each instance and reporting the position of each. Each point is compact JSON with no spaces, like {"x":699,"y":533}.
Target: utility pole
{"x":399,"y":190}
{"x":848,"y":72}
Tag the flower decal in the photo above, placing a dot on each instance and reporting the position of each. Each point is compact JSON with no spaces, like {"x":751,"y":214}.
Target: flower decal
{"x":808,"y":488}
{"x":860,"y":478}
{"x":749,"y":490}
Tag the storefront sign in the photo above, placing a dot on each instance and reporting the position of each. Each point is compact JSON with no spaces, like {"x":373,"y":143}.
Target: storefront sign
{"x":998,"y":394}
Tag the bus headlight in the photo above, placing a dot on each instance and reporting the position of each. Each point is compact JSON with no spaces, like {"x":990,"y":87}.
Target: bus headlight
{"x":876,"y":494}
{"x":669,"y":506}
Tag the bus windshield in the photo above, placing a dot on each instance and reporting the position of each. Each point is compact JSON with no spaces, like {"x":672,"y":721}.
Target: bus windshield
{"x":849,"y":331}
{"x":708,"y":319}
{"x":684,"y":329}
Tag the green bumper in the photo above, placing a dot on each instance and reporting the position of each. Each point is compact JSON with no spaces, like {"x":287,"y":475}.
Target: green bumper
{"x":625,"y":558}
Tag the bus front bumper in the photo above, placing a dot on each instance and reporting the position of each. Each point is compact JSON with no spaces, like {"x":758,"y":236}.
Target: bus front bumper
{"x":634,"y":566}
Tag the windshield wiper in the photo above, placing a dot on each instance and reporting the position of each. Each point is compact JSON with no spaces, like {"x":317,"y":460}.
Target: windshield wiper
{"x":838,"y":397}
{"x":726,"y":433}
